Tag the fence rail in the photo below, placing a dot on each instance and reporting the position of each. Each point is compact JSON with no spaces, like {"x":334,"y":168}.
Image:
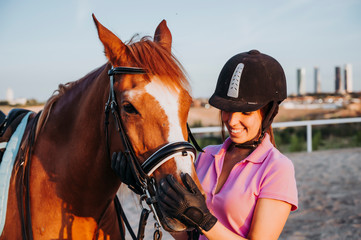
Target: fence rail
{"x":308,"y":124}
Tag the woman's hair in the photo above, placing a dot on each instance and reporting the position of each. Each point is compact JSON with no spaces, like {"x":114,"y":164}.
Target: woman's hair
{"x":264,"y":110}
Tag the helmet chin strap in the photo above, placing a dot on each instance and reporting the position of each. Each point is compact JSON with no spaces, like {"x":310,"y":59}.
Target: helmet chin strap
{"x":252,"y":143}
{"x":266,"y":123}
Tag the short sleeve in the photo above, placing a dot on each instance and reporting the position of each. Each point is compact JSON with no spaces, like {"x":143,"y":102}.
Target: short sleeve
{"x":279,"y":181}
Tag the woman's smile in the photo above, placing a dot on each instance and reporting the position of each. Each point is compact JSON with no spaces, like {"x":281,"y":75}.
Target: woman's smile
{"x":236,"y":131}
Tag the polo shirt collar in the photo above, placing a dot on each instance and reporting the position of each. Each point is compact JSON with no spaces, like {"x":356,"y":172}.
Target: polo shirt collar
{"x":257,"y":156}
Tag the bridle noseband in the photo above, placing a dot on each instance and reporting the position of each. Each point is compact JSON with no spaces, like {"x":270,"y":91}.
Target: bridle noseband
{"x":142,"y":172}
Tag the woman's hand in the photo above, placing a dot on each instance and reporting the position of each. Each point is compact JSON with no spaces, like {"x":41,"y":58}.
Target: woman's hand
{"x":120,"y":166}
{"x":186,"y":204}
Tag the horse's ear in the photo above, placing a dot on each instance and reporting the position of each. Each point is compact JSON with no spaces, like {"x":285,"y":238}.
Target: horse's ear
{"x":115,"y":50}
{"x":163,"y":36}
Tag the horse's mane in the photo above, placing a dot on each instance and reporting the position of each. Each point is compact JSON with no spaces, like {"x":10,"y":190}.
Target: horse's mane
{"x":62,"y":89}
{"x":148,"y":55}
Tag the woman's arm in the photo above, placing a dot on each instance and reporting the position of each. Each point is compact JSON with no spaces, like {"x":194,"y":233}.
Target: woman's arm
{"x":219,"y":231}
{"x":269,"y":218}
{"x":268,"y":221}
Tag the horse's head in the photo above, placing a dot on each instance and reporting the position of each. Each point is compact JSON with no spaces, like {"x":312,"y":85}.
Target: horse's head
{"x":152,"y":94}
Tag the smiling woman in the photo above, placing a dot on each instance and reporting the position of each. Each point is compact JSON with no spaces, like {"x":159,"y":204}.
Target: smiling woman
{"x":250,"y":186}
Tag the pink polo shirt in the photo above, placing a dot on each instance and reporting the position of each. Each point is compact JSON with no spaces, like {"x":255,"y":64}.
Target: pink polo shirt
{"x":265,"y":173}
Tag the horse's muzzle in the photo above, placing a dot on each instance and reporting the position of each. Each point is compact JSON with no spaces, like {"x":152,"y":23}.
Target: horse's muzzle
{"x":170,"y":224}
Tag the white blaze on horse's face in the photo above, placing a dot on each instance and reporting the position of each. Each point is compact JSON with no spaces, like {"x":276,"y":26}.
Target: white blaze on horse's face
{"x":168,"y":100}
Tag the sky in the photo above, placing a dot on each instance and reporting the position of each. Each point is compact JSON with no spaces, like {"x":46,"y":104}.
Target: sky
{"x":44,"y":43}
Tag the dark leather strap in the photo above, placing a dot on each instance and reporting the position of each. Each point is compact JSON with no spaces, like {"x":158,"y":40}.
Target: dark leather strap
{"x":121,"y":216}
{"x":193,"y":140}
{"x":142,"y":223}
{"x":112,"y":106}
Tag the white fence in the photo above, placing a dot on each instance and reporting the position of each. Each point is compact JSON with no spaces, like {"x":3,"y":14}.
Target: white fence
{"x":307,"y":124}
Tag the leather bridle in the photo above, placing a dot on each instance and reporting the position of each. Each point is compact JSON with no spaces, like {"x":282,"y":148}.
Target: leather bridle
{"x":142,"y":172}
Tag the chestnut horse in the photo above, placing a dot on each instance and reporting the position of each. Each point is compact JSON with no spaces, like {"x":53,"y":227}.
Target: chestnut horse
{"x":70,"y":184}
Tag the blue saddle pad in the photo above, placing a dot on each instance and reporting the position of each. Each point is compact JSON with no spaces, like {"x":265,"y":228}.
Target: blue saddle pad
{"x":6,"y":167}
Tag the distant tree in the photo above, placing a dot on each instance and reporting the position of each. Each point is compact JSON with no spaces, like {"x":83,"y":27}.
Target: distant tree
{"x":316,"y":140}
{"x":296,"y":145}
{"x":32,"y":102}
{"x":197,"y":123}
{"x":358,"y":138}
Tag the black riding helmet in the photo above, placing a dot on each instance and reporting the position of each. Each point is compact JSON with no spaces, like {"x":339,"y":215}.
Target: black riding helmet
{"x":249,"y":81}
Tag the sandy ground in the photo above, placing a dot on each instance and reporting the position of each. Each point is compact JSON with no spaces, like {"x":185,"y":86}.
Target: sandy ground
{"x":329,"y":185}
{"x":6,"y":109}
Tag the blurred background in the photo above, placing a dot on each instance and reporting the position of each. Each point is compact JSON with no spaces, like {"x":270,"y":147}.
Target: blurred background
{"x":44,"y":43}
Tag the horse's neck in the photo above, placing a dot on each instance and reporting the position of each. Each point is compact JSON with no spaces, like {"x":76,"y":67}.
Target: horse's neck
{"x":72,"y":146}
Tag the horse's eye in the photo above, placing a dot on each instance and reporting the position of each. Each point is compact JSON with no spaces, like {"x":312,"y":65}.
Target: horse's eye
{"x":129,"y":108}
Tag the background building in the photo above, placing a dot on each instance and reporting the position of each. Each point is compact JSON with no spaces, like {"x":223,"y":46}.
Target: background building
{"x":317,"y":80}
{"x":9,"y":95}
{"x":348,"y":78}
{"x":338,"y":81}
{"x":12,"y":100}
{"x":301,"y":81}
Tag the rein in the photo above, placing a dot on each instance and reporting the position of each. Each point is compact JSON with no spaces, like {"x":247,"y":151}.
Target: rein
{"x":143,"y":171}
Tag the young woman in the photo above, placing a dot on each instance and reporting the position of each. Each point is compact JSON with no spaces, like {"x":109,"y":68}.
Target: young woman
{"x":249,"y":185}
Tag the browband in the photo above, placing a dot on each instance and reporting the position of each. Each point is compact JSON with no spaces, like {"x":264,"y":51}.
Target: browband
{"x":126,"y":70}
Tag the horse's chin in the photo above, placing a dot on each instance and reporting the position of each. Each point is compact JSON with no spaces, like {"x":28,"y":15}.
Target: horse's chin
{"x":171,"y":224}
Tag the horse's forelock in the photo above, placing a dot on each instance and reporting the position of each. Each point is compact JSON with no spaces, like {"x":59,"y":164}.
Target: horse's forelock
{"x":158,"y":61}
